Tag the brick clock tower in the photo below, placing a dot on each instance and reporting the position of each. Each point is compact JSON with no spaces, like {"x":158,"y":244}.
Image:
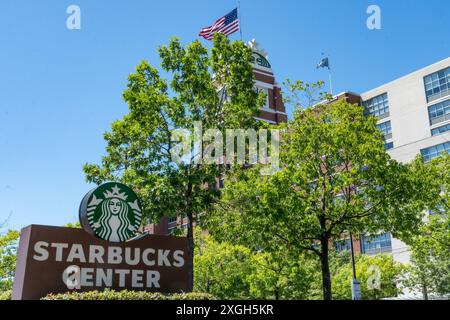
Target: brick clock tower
{"x":273,"y":111}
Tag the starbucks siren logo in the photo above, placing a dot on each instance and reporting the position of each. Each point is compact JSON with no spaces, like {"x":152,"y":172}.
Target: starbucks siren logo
{"x":111,"y":212}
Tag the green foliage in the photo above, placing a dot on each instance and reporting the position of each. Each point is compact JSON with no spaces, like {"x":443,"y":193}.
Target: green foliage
{"x":335,"y":177}
{"x":221,"y":269}
{"x":302,"y":95}
{"x":140,"y":147}
{"x":229,"y":271}
{"x":127,"y":295}
{"x":5,"y":295}
{"x":280,"y":276}
{"x":379,"y":276}
{"x":75,"y":225}
{"x":429,"y":272}
{"x":8,"y":249}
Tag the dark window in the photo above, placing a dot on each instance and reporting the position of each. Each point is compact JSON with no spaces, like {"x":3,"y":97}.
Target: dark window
{"x":389,"y":146}
{"x":377,"y":106}
{"x":439,"y":112}
{"x":343,"y":245}
{"x":172,"y":219}
{"x":376,"y":244}
{"x":385,"y":129}
{"x":437,"y":85}
{"x":440,"y":130}
{"x":435,"y":151}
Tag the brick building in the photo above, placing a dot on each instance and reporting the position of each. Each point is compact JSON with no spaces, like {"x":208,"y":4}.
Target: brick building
{"x":273,"y":110}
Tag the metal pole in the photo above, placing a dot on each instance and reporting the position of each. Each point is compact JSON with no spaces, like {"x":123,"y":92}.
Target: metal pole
{"x":353,"y":256}
{"x":239,"y":17}
{"x":356,"y":285}
{"x":331,"y":85}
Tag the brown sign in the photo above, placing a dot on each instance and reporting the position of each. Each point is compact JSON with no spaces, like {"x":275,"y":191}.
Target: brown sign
{"x":58,"y":260}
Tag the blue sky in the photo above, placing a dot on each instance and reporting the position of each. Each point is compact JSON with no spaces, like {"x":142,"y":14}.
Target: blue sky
{"x":60,"y":89}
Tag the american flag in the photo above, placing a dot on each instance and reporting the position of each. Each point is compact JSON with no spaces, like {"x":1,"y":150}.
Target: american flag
{"x":227,"y":25}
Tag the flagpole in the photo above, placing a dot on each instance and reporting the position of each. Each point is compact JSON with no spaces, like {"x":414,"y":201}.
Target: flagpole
{"x":331,"y":84}
{"x":239,"y":17}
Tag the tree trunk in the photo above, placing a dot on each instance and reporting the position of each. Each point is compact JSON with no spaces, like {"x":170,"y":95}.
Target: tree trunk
{"x":190,"y":239}
{"x":324,"y":242}
{"x":325,"y":266}
{"x":190,"y":252}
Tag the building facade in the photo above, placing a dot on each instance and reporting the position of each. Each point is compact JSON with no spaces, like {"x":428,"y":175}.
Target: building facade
{"x":414,"y":116}
{"x":273,"y":110}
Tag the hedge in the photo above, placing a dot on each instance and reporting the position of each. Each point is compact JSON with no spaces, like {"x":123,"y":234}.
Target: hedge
{"x":127,"y":295}
{"x":5,"y":295}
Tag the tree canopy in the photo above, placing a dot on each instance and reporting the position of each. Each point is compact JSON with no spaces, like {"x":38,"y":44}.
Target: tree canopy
{"x":8,"y":249}
{"x":430,"y":245}
{"x":194,"y":85}
{"x":335,"y":178}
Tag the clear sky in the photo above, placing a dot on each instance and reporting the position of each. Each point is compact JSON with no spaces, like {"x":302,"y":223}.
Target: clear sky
{"x":60,"y":89}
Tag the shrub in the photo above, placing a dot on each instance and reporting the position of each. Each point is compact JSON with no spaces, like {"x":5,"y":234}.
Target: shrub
{"x":368,"y":269}
{"x":127,"y":295}
{"x":5,"y":295}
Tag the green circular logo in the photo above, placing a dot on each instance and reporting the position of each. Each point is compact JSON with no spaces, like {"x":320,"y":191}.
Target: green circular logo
{"x":111,"y":212}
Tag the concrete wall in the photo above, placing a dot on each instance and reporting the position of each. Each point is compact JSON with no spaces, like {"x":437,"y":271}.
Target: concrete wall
{"x":408,"y":108}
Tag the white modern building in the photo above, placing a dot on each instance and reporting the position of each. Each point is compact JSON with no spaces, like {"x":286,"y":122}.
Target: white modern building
{"x":414,"y":115}
{"x":414,"y":112}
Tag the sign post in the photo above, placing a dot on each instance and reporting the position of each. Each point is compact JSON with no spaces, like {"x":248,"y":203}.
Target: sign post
{"x":356,"y":289}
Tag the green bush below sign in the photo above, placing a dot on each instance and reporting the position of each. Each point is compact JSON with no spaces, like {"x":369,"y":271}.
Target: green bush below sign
{"x":127,"y":295}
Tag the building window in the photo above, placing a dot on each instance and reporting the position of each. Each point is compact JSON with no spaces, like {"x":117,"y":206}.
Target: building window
{"x":343,"y":245}
{"x":440,"y":130}
{"x":377,"y":106}
{"x":377,"y":244}
{"x":385,"y":129}
{"x":389,"y":146}
{"x":439,"y":112}
{"x":172,"y":219}
{"x":437,"y":85}
{"x":430,"y":153}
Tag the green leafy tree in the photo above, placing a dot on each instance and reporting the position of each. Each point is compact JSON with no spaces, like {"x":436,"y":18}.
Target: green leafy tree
{"x":214,"y":88}
{"x":281,"y":276}
{"x":233,"y":271}
{"x":8,"y":249}
{"x":379,"y":276}
{"x":429,"y":272}
{"x":221,"y":269}
{"x":75,"y":225}
{"x":335,"y":177}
